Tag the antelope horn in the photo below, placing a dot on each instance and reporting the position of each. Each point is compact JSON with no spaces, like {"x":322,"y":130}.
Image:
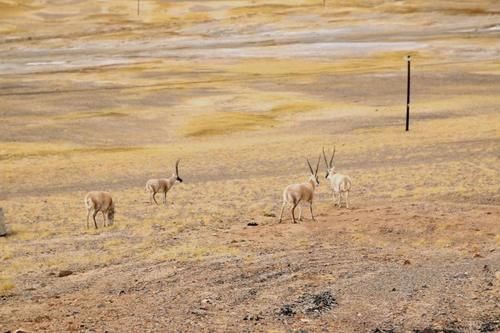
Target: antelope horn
{"x":177,"y":167}
{"x":324,"y":157}
{"x":310,"y":167}
{"x":317,"y":164}
{"x":331,"y":159}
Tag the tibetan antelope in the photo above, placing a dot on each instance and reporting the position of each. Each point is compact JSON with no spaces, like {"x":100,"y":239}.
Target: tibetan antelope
{"x":98,"y":201}
{"x":154,"y":186}
{"x":296,"y":193}
{"x":339,"y":183}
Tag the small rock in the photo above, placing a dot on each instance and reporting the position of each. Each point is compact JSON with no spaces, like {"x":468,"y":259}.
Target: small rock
{"x":478,"y":255}
{"x":64,"y":273}
{"x":491,"y":326}
{"x":286,"y":310}
{"x":252,"y":224}
{"x":407,"y":262}
{"x":199,"y":312}
{"x":20,"y":330}
{"x":269,"y":215}
{"x":39,"y":319}
{"x":252,"y":317}
{"x":461,"y":275}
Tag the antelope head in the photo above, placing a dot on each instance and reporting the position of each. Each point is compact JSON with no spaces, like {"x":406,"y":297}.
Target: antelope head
{"x":314,"y":174}
{"x":330,"y":168}
{"x":111,"y":215}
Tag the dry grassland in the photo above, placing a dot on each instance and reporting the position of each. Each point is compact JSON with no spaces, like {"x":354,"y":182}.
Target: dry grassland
{"x":96,"y":98}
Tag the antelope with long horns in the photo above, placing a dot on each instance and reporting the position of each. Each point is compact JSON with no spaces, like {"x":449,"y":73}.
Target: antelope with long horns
{"x":339,"y":183}
{"x":296,"y":193}
{"x":163,"y":185}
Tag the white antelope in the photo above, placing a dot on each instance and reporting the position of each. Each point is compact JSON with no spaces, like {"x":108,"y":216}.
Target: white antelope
{"x":339,"y":183}
{"x":154,"y":186}
{"x":98,"y":201}
{"x":296,"y":193}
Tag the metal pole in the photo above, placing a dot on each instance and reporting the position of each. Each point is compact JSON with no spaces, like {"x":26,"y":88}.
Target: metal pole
{"x":3,"y":229}
{"x":408,"y":60}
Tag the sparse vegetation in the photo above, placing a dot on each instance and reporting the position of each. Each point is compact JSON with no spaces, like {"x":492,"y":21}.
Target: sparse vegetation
{"x":189,"y":252}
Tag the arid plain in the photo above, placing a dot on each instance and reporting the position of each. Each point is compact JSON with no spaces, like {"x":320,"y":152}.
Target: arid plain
{"x":96,"y":97}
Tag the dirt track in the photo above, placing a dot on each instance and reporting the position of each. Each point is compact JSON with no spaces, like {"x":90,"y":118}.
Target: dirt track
{"x":371,"y":261}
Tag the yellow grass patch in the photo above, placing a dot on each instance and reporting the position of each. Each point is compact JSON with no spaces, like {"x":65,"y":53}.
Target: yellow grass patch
{"x":431,"y":131}
{"x":97,"y":114}
{"x":293,"y":68}
{"x":220,"y":122}
{"x":5,"y":253}
{"x":497,"y":240}
{"x":81,"y":259}
{"x":449,"y":8}
{"x":17,"y":150}
{"x":226,"y":122}
{"x":6,"y":284}
{"x":277,"y":330}
{"x":113,"y":243}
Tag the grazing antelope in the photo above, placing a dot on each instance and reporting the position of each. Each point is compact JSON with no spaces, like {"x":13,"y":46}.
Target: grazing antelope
{"x":339,"y":183}
{"x":296,"y":193}
{"x":163,"y":185}
{"x":98,"y":201}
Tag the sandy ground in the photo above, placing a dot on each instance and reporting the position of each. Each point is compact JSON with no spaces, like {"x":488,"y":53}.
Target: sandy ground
{"x":95,"y":97}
